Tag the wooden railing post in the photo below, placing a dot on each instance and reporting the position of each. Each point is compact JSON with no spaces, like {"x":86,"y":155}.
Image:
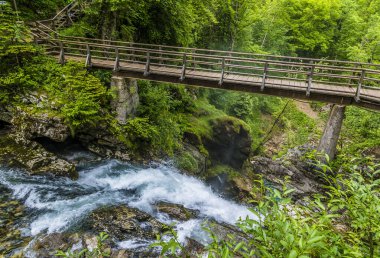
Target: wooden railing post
{"x":88,"y":57}
{"x":310,"y":80}
{"x":358,"y":91}
{"x":61,"y":54}
{"x":116,"y":66}
{"x":147,"y":66}
{"x":160,"y":50}
{"x":222,"y":73}
{"x":265,"y":75}
{"x":132,"y":52}
{"x":193,"y":54}
{"x":183,"y":72}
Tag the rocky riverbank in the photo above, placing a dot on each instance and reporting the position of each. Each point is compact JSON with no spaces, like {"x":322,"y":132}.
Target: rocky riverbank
{"x":132,"y":205}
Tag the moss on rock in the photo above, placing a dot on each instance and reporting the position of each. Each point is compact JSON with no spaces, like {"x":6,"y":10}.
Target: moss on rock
{"x":33,"y":157}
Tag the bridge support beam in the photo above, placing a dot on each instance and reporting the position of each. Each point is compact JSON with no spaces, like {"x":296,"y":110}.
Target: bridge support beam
{"x":125,"y":97}
{"x":331,"y":133}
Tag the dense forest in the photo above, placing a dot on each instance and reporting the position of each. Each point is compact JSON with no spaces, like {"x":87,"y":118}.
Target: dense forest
{"x":273,"y":140}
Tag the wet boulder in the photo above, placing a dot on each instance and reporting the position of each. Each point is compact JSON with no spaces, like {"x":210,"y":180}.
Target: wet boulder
{"x":176,"y":211}
{"x":224,"y":231}
{"x":15,"y":151}
{"x":123,"y":222}
{"x":49,"y":245}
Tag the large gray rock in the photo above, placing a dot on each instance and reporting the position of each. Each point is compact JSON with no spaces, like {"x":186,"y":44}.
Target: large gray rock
{"x":32,"y":126}
{"x":176,"y":211}
{"x":301,"y":175}
{"x":48,"y":245}
{"x":16,"y":151}
{"x":190,"y":160}
{"x":122,"y":222}
{"x":101,"y":142}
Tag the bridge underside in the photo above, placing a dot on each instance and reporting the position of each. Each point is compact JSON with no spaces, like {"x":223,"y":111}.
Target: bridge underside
{"x":282,"y":88}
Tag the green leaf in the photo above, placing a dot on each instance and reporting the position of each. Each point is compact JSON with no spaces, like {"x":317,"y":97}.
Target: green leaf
{"x":293,"y":254}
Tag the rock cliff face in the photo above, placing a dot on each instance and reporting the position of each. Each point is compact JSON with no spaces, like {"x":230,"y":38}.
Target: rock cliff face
{"x":230,"y":143}
{"x":21,"y":132}
{"x":34,"y":126}
{"x":19,"y":148}
{"x":30,"y":155}
{"x":293,"y":169}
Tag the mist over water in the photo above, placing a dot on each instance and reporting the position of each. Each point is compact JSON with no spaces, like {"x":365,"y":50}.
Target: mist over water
{"x":58,"y":204}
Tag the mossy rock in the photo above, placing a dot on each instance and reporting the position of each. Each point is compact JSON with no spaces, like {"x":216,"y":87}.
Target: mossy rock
{"x":176,"y":211}
{"x":123,"y":222}
{"x":33,"y":157}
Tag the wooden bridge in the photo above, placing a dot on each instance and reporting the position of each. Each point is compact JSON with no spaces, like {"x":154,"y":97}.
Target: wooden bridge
{"x":332,"y":81}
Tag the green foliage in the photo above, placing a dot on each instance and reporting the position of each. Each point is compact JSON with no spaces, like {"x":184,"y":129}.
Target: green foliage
{"x":161,"y":118}
{"x":360,"y":130}
{"x":78,"y":95}
{"x":13,"y":38}
{"x":359,"y":199}
{"x":311,"y":25}
{"x":187,"y":162}
{"x":172,"y":246}
{"x":98,"y":252}
{"x":259,"y":113}
{"x":14,"y":52}
{"x":141,"y":134}
{"x":71,"y":92}
{"x":40,"y":9}
{"x":170,"y":22}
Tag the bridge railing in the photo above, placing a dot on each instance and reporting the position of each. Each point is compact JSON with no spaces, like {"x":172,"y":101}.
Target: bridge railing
{"x":300,"y":73}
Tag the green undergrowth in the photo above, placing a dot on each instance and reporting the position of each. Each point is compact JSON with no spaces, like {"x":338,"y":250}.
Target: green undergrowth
{"x":360,"y":132}
{"x":298,"y":128}
{"x":199,"y":122}
{"x":187,"y":162}
{"x":68,"y":92}
{"x":341,"y":221}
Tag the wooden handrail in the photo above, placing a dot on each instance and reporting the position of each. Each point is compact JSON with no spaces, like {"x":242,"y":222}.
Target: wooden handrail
{"x":308,"y":75}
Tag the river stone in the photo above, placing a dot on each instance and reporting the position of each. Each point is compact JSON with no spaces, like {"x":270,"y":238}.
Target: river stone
{"x":48,"y":245}
{"x":176,"y":211}
{"x":122,"y":222}
{"x":11,"y":215}
{"x":15,"y":151}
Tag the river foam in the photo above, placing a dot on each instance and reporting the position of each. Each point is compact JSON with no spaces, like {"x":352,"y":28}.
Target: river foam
{"x":58,"y":204}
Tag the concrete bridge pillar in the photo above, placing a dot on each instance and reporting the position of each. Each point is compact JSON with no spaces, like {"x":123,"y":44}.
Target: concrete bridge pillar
{"x":331,"y":133}
{"x":126,"y":98}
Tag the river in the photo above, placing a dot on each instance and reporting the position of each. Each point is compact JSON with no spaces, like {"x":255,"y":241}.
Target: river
{"x":60,"y":204}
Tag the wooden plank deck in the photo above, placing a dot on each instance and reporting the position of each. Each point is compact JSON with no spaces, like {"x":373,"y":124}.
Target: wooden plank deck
{"x":288,"y":88}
